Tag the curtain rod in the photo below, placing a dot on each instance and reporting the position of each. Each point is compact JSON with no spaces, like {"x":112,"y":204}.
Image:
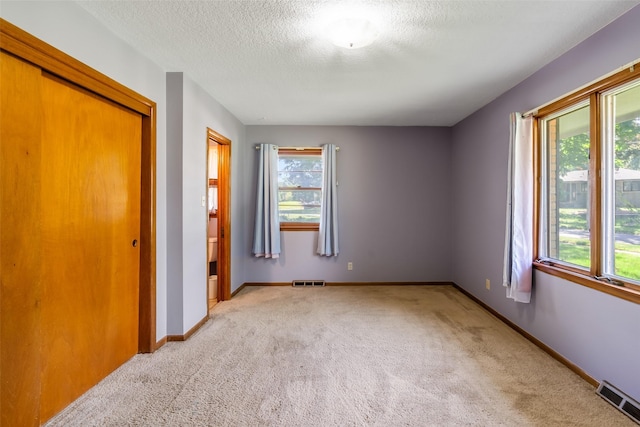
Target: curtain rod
{"x":298,"y":148}
{"x":630,"y":66}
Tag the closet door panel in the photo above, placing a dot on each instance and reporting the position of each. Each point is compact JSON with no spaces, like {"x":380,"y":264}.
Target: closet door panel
{"x":91,"y":225}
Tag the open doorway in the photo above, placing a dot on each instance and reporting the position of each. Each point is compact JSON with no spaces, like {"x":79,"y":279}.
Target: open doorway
{"x":218,"y":218}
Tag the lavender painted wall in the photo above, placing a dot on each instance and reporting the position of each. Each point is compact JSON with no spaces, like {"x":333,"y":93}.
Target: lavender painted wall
{"x":394,"y":206}
{"x":597,"y":332}
{"x":201,"y":111}
{"x":190,"y":112}
{"x":174,"y":267}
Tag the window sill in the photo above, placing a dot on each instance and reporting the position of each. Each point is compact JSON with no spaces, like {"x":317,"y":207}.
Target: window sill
{"x":626,"y":292}
{"x":299,"y":226}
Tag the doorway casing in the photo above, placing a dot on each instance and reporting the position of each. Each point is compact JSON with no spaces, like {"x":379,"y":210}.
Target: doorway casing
{"x":224,"y":210}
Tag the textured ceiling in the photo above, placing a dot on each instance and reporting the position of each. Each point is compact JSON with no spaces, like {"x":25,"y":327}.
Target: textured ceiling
{"x":434,"y":62}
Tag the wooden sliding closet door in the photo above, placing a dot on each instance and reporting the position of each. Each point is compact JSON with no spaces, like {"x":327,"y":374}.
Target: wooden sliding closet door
{"x":90,"y":202}
{"x":70,"y":227}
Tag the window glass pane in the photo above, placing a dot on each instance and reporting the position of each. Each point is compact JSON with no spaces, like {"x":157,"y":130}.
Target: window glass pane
{"x":567,"y":199}
{"x":299,"y":205}
{"x":626,"y":105}
{"x":300,"y":184}
{"x":300,"y":171}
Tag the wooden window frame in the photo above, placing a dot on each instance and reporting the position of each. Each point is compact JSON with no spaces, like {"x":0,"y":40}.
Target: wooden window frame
{"x":592,"y":277}
{"x":299,"y":226}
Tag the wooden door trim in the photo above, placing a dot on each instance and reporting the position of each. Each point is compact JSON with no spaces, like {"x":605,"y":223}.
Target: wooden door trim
{"x":147,"y":282}
{"x":31,"y":49}
{"x":224,"y":211}
{"x":25,"y":46}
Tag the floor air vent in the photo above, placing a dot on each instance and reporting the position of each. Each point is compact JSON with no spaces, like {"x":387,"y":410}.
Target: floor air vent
{"x":624,"y":403}
{"x":307,"y":283}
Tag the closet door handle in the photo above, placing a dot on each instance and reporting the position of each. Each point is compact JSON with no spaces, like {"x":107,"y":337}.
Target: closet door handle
{"x":134,"y":243}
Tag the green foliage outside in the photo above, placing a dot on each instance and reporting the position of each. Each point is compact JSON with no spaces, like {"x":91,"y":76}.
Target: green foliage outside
{"x":574,"y":151}
{"x":628,"y":144}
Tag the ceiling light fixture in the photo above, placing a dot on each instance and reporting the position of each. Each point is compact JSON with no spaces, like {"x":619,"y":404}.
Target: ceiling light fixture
{"x":352,"y":33}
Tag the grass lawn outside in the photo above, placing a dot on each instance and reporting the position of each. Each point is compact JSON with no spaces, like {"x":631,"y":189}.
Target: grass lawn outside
{"x":627,"y":220}
{"x":295,"y":211}
{"x":576,"y":251}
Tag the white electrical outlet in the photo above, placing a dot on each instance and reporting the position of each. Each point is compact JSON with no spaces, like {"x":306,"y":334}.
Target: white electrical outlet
{"x":203,"y":201}
{"x":349,"y":266}
{"x":487,"y":283}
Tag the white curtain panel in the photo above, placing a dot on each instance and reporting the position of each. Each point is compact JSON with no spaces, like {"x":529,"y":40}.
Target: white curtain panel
{"x":518,"y":245}
{"x":328,"y":234}
{"x":266,"y":237}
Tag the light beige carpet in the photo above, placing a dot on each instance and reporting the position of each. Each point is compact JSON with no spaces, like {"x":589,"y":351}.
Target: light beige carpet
{"x":345,"y":356}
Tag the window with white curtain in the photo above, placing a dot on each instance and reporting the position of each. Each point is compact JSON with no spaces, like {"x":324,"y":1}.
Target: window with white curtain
{"x":589,"y":204}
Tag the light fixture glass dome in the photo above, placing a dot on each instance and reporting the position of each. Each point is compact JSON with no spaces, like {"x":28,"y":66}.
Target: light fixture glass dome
{"x":352,"y":33}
